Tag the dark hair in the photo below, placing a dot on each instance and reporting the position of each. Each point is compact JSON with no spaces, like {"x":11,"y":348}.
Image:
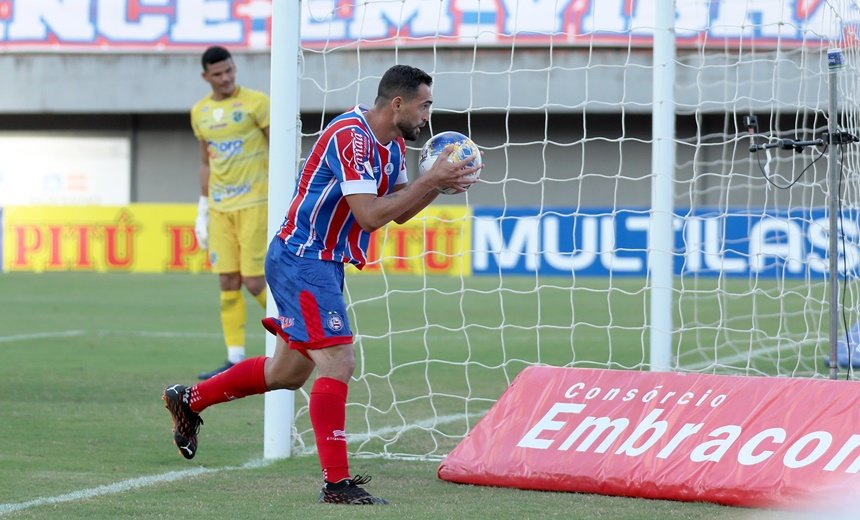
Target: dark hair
{"x":401,"y":80}
{"x":214,"y":54}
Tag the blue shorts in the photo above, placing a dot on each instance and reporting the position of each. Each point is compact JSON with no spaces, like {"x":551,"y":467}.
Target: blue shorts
{"x":309,"y":296}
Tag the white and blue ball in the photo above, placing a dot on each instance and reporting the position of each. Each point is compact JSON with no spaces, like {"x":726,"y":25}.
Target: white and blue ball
{"x":463,"y":148}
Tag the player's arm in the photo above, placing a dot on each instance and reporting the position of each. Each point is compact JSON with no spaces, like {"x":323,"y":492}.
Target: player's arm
{"x":372,"y":212}
{"x":423,"y":203}
{"x":429,"y":198}
{"x":204,"y":168}
{"x":201,"y":225}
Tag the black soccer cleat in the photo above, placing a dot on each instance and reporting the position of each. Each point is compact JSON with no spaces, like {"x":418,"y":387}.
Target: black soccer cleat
{"x":186,"y":423}
{"x":349,"y":492}
{"x":203,"y":376}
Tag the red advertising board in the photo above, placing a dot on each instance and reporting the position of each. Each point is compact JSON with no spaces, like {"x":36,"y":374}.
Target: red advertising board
{"x":750,"y":441}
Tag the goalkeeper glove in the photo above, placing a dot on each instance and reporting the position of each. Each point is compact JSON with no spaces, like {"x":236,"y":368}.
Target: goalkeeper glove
{"x":201,"y":226}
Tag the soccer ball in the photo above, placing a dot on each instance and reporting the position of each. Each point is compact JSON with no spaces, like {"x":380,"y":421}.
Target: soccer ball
{"x":463,"y":148}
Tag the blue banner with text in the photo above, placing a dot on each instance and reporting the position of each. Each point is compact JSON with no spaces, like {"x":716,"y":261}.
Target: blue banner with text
{"x":707,"y":242}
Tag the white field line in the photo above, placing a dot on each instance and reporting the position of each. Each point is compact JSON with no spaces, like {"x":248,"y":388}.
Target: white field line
{"x":138,"y":333}
{"x":740,"y":356}
{"x":125,"y":485}
{"x":41,"y":335}
{"x":426,"y":423}
{"x":353,"y":438}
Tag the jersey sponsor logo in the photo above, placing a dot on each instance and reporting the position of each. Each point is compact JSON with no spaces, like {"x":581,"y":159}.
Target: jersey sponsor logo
{"x":226,"y":149}
{"x":228,"y":192}
{"x":358,"y":145}
{"x":352,"y":151}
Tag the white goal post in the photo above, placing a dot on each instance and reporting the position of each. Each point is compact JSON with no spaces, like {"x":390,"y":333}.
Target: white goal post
{"x":631,"y":214}
{"x":283,"y":154}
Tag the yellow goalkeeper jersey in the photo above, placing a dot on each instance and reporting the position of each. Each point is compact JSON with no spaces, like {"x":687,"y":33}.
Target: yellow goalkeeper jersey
{"x":238,"y":149}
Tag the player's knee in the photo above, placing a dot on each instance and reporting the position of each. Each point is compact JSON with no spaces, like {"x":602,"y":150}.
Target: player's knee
{"x":254,"y":284}
{"x":230,"y":281}
{"x":284,"y":380}
{"x":342,"y":371}
{"x":286,"y":372}
{"x":292,"y":383}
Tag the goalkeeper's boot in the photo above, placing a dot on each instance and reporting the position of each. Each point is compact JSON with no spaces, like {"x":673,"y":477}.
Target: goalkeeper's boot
{"x":186,"y":423}
{"x":203,"y":376}
{"x":349,"y":492}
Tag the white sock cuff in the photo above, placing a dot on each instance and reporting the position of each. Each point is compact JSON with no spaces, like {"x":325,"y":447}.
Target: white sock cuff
{"x":235,"y":354}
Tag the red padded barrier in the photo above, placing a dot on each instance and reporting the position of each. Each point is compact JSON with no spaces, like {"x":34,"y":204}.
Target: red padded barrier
{"x":751,"y":441}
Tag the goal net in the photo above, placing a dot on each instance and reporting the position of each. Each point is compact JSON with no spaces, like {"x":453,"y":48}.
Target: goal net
{"x":546,"y":261}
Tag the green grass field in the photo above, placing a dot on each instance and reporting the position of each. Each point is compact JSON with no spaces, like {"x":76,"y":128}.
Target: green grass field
{"x":84,"y":357}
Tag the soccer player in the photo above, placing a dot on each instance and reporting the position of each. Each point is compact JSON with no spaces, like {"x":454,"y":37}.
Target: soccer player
{"x":232,"y":125}
{"x":352,"y":183}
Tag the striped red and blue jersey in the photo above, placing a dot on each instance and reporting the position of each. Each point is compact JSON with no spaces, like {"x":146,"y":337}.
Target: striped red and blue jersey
{"x":345,"y":160}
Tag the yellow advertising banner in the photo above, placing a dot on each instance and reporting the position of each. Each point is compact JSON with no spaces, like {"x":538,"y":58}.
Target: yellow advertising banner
{"x":437,"y":241}
{"x":155,"y":238}
{"x":138,"y":238}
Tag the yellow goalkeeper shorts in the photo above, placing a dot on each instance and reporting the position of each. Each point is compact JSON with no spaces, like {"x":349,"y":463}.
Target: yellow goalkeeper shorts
{"x":238,"y":240}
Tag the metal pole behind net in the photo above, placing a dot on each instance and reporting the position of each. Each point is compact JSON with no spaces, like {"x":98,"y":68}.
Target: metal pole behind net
{"x":835,"y":61}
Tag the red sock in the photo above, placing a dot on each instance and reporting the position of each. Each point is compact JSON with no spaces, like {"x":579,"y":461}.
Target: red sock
{"x":245,"y":378}
{"x":328,"y":417}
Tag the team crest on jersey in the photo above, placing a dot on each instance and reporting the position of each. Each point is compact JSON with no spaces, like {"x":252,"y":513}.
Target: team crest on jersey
{"x":335,"y":321}
{"x":237,"y":116}
{"x":218,"y":113}
{"x":389,"y":168}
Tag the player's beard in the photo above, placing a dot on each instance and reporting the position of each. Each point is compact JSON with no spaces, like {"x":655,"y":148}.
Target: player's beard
{"x":410,"y":133}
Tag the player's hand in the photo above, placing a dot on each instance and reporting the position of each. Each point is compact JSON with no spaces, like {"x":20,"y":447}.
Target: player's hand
{"x":455,"y":177}
{"x":201,"y":226}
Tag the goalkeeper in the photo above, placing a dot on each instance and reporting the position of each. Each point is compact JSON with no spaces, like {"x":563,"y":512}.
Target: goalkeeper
{"x":232,"y":126}
{"x":352,"y":183}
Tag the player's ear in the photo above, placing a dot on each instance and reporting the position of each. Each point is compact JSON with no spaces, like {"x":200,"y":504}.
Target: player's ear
{"x":397,"y":103}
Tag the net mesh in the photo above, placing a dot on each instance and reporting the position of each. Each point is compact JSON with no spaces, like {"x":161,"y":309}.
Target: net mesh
{"x":545,"y":261}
